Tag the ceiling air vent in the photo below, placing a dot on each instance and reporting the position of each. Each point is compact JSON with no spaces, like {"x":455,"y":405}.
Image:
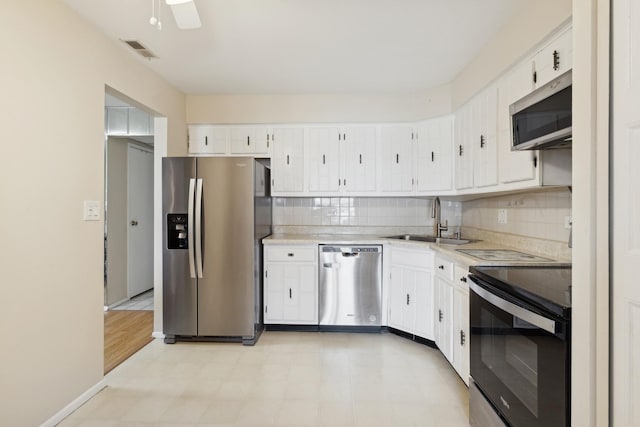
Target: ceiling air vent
{"x":140,"y":48}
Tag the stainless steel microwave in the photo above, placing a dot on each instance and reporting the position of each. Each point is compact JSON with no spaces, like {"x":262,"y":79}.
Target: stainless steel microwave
{"x":542,"y":119}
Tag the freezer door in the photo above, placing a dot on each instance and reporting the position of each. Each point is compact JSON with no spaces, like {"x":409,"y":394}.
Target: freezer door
{"x":179,"y":295}
{"x":226,"y":293}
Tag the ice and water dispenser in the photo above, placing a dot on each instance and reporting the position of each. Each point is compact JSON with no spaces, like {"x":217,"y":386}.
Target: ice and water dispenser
{"x":177,"y":231}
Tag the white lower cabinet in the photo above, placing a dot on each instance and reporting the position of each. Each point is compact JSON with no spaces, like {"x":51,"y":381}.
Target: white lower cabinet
{"x":461,"y":324}
{"x":452,"y":314}
{"x":411,"y":291}
{"x":291,"y":285}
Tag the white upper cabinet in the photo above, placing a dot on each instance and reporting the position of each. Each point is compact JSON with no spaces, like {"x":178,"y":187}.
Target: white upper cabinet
{"x":287,"y":165}
{"x":324,"y":159}
{"x":514,"y":166}
{"x":462,"y":149}
{"x":553,"y":59}
{"x":342,"y":160}
{"x":484,"y":138}
{"x":250,"y":140}
{"x":396,"y":173}
{"x":358,"y":154}
{"x":434,"y":149}
{"x":207,"y":139}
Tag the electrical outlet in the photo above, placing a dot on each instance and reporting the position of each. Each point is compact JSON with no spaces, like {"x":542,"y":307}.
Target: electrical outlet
{"x":567,"y":222}
{"x":502,"y":216}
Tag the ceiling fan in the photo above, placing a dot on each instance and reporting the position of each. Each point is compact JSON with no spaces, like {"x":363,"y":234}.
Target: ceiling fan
{"x":184,"y":13}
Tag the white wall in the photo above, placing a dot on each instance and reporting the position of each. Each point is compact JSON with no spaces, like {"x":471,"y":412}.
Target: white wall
{"x":53,"y":76}
{"x":510,"y":44}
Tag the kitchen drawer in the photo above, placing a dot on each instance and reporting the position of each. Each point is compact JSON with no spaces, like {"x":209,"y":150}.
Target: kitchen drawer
{"x":291,"y":253}
{"x":460,"y":277}
{"x":444,"y":268}
{"x":422,"y":259}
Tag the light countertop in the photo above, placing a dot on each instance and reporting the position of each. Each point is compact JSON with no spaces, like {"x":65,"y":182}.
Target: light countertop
{"x":446,"y":250}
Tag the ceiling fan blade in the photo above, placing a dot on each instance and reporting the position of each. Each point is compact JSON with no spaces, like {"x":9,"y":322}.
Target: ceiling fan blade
{"x":185,"y":14}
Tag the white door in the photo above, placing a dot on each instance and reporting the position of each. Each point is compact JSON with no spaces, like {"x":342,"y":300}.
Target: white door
{"x":287,"y":164}
{"x":139,"y":220}
{"x":397,"y":159}
{"x":626,"y":214}
{"x":324,"y":159}
{"x":358,"y":153}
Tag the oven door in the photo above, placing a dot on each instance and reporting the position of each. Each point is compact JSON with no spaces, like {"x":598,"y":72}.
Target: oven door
{"x":519,"y":358}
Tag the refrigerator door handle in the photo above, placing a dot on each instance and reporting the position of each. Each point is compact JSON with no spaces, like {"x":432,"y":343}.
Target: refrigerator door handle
{"x":190,"y":229}
{"x":198,"y":208}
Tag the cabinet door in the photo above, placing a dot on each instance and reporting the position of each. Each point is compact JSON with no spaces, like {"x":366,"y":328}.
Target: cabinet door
{"x":396,"y":164}
{"x":205,"y":139}
{"x":139,"y":122}
{"x":424,"y":304}
{"x":287,"y":167}
{"x":434,"y":147}
{"x":444,"y":320}
{"x":485,"y":150}
{"x":514,"y":166}
{"x":249,"y":140}
{"x":324,"y":159}
{"x":554,"y":59}
{"x":461,"y":333}
{"x":408,"y":301}
{"x":274,"y":295}
{"x":462,"y":153}
{"x":308,"y":294}
{"x":396,"y":302}
{"x":358,"y":154}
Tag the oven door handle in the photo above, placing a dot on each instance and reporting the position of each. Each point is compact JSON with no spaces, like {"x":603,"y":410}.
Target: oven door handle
{"x":515,"y":310}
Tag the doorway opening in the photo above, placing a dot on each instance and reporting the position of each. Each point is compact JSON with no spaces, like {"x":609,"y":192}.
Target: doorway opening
{"x":128,"y":230}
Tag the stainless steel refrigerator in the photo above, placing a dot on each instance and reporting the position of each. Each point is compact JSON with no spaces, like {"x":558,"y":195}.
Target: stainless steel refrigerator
{"x":215,"y":213}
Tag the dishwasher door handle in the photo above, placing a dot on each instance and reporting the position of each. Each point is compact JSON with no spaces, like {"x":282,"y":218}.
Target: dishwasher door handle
{"x":330,"y":265}
{"x":349,"y":254}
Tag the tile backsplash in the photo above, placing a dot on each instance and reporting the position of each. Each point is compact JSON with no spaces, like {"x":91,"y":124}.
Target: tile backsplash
{"x":539,"y":215}
{"x":364,"y":214}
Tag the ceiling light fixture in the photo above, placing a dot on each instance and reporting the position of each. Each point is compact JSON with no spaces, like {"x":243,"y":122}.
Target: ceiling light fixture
{"x":185,"y":14}
{"x":155,"y":21}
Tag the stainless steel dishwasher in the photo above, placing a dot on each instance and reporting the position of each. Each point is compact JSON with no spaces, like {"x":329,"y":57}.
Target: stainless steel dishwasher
{"x":350,"y":285}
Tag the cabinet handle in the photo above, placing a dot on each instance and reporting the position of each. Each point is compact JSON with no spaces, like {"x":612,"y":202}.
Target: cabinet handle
{"x":397,"y":158}
{"x":287,"y":159}
{"x":411,"y":135}
{"x":460,"y":150}
{"x":323,"y":159}
{"x":439,"y":315}
{"x":408,"y":299}
{"x":206,"y":140}
{"x":339,"y":182}
{"x":535,"y":162}
{"x":463,"y":279}
{"x":441,"y":267}
{"x":248,"y":139}
{"x":267,"y":140}
{"x":339,"y":137}
{"x":482,"y":141}
{"x":290,"y":254}
{"x":462,"y":338}
{"x":344,"y":136}
{"x":556,"y":60}
{"x":535,"y":77}
{"x":344,"y":182}
{"x":290,"y":296}
{"x":433,"y":156}
{"x":360,"y":158}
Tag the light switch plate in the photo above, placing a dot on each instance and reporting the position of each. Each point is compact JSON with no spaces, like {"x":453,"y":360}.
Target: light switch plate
{"x":91,"y":210}
{"x":502,"y":216}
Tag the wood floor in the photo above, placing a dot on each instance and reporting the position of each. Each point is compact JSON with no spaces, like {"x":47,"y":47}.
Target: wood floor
{"x":125,"y":332}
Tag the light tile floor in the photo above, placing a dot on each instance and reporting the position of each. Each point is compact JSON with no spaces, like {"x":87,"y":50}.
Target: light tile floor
{"x":144,"y":301}
{"x":286,"y":379}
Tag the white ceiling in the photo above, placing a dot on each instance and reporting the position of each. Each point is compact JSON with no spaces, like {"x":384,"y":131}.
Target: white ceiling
{"x":308,"y":46}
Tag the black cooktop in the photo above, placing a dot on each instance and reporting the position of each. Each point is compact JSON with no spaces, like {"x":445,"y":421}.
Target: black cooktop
{"x":548,"y":288}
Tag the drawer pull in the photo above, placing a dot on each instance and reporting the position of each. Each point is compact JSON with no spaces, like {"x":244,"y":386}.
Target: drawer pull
{"x":463,"y":279}
{"x":441,"y":267}
{"x":290,"y":254}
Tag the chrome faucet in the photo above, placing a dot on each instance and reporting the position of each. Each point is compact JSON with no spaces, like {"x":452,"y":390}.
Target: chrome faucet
{"x":438,"y":228}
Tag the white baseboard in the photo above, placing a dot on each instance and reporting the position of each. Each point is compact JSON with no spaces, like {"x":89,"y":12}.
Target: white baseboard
{"x":157,"y":334}
{"x":78,"y":402}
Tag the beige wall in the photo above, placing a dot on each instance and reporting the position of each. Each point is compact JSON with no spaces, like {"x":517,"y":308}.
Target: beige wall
{"x":53,"y":76}
{"x":512,"y":42}
{"x":318,"y":108}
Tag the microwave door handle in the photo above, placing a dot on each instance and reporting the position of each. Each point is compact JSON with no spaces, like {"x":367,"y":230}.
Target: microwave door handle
{"x":515,"y":310}
{"x":190,"y":227}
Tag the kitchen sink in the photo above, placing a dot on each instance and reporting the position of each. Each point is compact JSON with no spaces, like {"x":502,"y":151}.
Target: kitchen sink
{"x":431,"y":239}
